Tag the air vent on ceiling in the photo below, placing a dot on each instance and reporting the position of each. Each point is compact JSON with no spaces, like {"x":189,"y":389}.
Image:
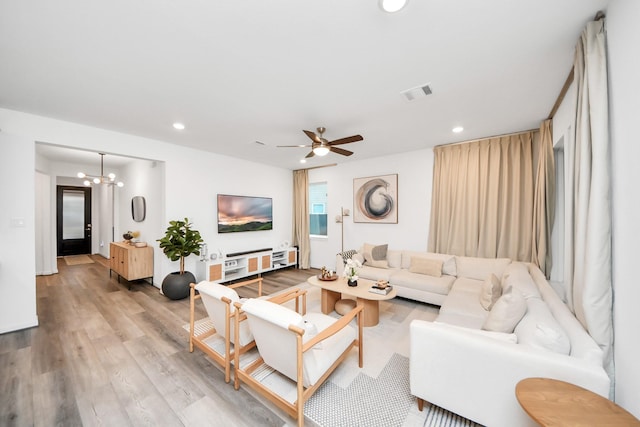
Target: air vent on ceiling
{"x":417,"y":92}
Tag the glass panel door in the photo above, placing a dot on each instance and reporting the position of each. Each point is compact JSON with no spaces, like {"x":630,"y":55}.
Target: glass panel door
{"x":73,"y":220}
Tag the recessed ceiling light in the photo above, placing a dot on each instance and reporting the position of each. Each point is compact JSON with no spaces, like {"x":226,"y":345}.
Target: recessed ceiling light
{"x":457,"y":129}
{"x":392,"y":6}
{"x":178,"y":125}
{"x":303,"y":160}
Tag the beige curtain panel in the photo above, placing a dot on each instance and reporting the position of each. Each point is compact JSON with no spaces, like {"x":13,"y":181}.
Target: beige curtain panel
{"x":482,"y":202}
{"x":301,"y":216}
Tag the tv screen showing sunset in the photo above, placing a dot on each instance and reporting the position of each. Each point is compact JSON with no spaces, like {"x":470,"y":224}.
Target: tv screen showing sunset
{"x":244,"y":213}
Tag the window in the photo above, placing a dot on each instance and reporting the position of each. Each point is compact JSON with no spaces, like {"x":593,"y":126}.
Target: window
{"x":318,"y":209}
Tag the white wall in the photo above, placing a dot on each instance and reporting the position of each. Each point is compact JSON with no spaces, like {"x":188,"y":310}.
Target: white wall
{"x":192,"y":179}
{"x":623,"y":34}
{"x":17,"y":228}
{"x":415,"y":176}
{"x":143,"y":178}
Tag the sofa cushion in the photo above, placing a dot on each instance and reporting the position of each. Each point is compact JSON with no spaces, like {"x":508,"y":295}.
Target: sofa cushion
{"x":517,"y":276}
{"x":439,"y":285}
{"x":464,"y":300}
{"x":491,"y":291}
{"x":430,"y":267}
{"x":394,"y":258}
{"x":515,"y":267}
{"x":448,"y":261}
{"x":538,"y":328}
{"x":375,"y":273}
{"x":506,"y":312}
{"x":480,"y":268}
{"x":463,"y":320}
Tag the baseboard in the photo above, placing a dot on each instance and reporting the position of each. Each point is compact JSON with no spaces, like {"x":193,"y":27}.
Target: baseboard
{"x":19,"y":326}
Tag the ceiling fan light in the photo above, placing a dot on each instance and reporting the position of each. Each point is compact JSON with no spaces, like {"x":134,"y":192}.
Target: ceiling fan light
{"x":392,"y":6}
{"x":112,"y":176}
{"x":96,"y":180}
{"x":320,"y":151}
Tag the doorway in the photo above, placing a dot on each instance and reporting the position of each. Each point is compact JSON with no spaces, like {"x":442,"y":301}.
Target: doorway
{"x":73,"y":218}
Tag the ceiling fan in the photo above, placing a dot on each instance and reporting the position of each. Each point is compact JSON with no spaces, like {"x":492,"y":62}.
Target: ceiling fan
{"x":320,"y":146}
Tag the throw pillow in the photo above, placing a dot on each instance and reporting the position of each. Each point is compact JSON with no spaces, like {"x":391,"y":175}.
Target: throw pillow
{"x":506,"y":312}
{"x":346,"y":255}
{"x":538,"y":328}
{"x":491,"y":291}
{"x":371,"y":262}
{"x":430,"y":267}
{"x":358,"y":257}
{"x":378,"y":252}
{"x":310,"y":331}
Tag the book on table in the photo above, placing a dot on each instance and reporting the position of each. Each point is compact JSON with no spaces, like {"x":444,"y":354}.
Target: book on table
{"x":380,"y":290}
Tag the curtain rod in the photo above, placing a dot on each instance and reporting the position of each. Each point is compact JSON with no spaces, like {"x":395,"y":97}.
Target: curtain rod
{"x":487,"y":137}
{"x":317,"y":167}
{"x":563,"y":92}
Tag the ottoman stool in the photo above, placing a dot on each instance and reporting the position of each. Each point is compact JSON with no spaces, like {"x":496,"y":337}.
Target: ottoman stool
{"x":344,"y":306}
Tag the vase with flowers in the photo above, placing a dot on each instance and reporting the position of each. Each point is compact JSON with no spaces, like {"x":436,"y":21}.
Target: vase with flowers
{"x":351,"y":271}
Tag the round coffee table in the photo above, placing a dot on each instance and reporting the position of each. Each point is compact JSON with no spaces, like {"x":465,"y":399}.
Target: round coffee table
{"x":332,"y":292}
{"x":552,"y":402}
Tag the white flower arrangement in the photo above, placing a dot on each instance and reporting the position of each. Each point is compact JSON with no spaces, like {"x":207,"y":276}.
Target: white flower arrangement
{"x":351,"y":269}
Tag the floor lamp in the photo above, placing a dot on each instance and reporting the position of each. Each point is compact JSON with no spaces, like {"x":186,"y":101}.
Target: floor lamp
{"x":340,"y":219}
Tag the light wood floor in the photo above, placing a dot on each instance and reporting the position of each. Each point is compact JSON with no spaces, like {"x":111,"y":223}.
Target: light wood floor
{"x":104,"y":355}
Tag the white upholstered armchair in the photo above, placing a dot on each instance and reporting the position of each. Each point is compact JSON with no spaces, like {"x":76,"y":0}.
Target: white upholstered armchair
{"x":306,"y":349}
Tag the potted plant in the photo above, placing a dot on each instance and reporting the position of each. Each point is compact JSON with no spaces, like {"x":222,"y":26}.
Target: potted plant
{"x":179,"y":241}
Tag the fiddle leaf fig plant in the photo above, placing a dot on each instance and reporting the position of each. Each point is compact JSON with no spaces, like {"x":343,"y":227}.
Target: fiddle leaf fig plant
{"x":180,"y":241}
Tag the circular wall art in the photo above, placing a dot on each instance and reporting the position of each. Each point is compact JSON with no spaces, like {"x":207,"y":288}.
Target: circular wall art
{"x":376,"y":199}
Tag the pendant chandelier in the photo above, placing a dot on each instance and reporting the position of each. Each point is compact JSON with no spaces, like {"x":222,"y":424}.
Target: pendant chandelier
{"x":102,"y":179}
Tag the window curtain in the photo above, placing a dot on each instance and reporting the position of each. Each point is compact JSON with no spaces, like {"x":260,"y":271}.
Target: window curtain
{"x":590,"y":285}
{"x":544,"y":201}
{"x":301,"y":216}
{"x":482,"y":200}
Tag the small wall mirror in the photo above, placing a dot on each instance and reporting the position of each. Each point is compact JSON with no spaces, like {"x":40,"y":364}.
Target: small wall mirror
{"x":138,"y":208}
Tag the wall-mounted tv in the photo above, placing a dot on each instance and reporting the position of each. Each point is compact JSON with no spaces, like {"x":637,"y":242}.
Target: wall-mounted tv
{"x":244,"y":213}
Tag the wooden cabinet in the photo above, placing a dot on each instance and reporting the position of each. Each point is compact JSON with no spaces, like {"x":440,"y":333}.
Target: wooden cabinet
{"x":130,"y":262}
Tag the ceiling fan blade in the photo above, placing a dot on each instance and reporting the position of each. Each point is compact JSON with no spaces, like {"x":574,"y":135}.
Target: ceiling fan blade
{"x":313,"y":136}
{"x":340,"y":151}
{"x":347,"y":140}
{"x":310,"y":155}
{"x":293,"y":146}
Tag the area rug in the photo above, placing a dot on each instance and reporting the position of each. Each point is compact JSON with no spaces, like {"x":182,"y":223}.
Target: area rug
{"x":377,"y":394}
{"x":78,"y":259}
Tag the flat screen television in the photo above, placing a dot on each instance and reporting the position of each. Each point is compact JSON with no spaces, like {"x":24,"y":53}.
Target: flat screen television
{"x":244,"y":213}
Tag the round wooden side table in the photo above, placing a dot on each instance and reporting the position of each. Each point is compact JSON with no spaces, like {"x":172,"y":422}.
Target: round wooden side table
{"x":552,"y":402}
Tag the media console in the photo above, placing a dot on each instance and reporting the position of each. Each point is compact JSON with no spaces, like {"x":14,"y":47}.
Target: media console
{"x":245,"y":263}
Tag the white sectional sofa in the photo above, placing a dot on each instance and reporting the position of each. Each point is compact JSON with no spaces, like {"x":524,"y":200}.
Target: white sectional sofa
{"x":499,"y":322}
{"x":408,"y":284}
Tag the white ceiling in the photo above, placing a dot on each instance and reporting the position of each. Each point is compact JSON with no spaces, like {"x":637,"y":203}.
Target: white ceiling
{"x":237,"y":72}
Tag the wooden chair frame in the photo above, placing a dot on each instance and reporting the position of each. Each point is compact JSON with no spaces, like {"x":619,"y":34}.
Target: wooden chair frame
{"x":230,"y":313}
{"x":296,"y":410}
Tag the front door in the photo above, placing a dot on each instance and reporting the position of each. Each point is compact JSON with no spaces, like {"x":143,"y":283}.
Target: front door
{"x":74,"y":220}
